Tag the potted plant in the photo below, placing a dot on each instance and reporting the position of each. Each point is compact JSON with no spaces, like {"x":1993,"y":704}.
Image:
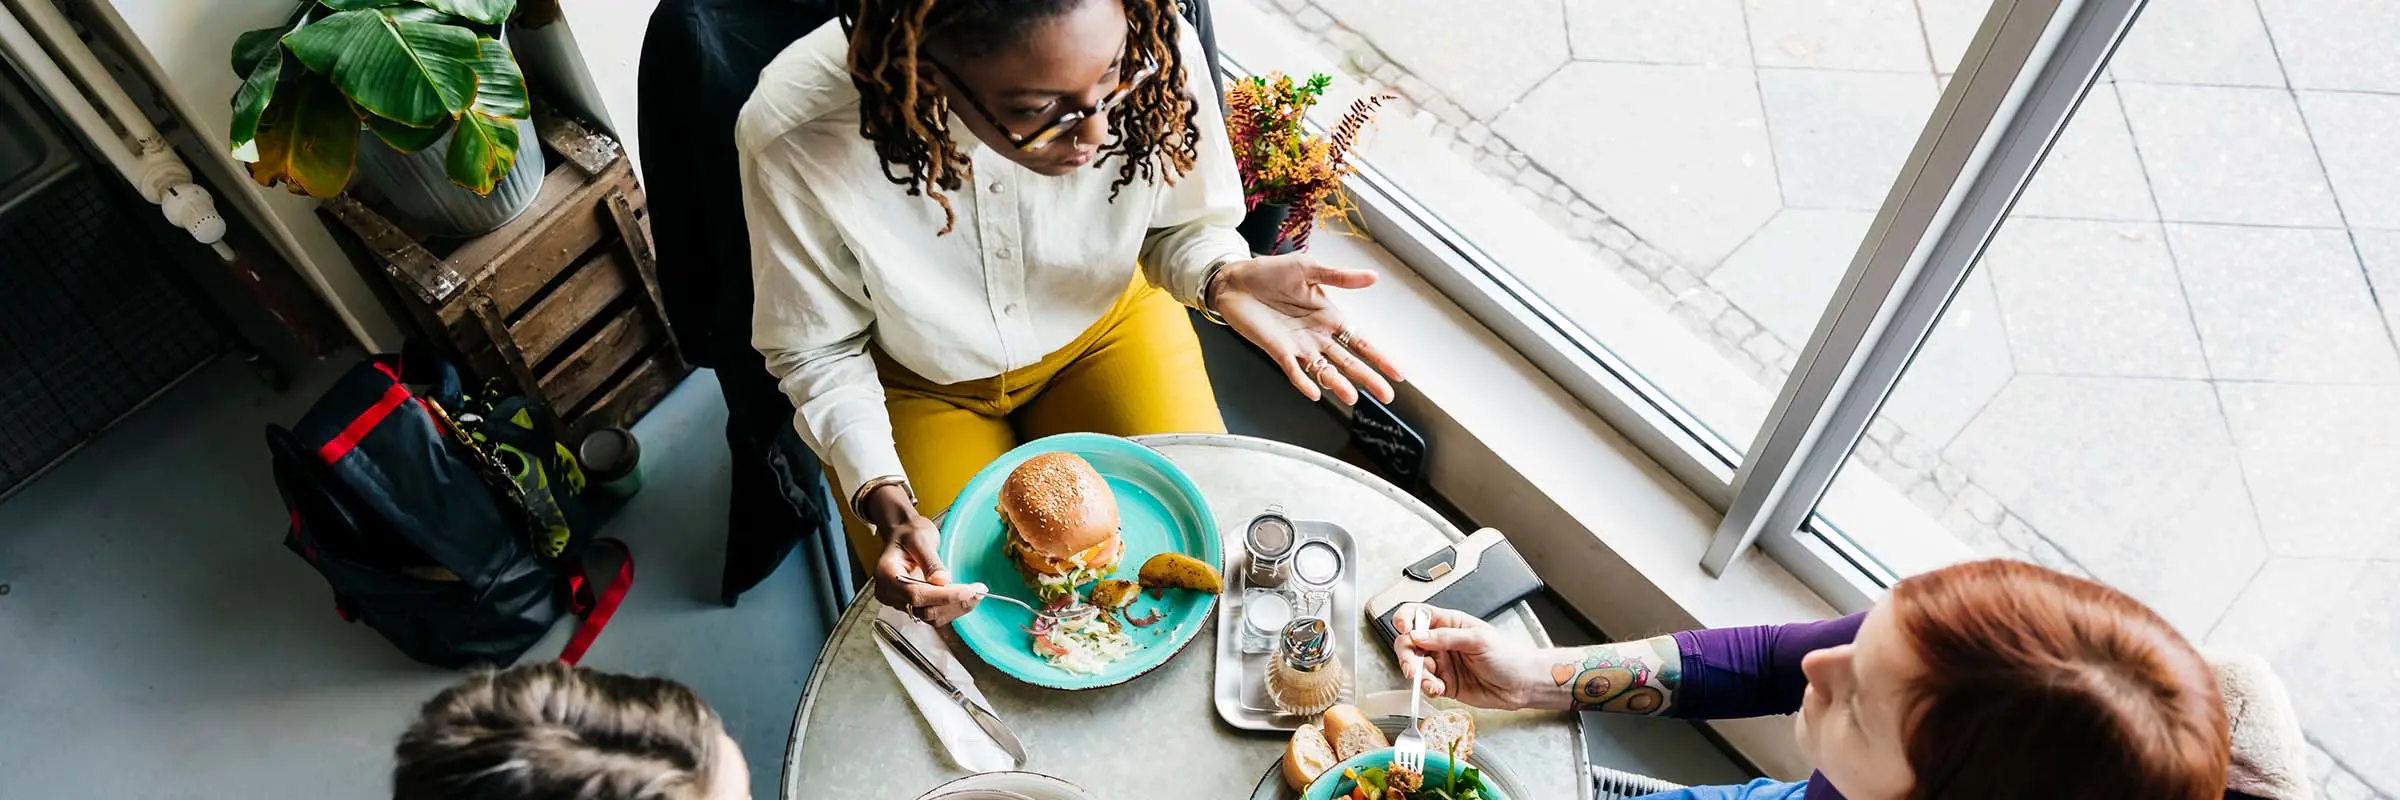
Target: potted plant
{"x":1289,"y":176}
{"x":422,"y":96}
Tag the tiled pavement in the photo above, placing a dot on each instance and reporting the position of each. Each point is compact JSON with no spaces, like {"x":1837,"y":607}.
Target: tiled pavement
{"x":2171,"y":372}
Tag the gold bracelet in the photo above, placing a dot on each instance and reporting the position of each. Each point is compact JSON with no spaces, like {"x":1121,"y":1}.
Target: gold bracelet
{"x":858,"y":500}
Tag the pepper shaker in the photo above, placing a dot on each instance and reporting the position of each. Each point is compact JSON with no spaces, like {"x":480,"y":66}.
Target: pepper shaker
{"x":1303,"y":677}
{"x":1270,"y":541}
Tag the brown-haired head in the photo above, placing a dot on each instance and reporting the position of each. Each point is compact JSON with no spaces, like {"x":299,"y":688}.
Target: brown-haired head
{"x":547,"y":731}
{"x":2039,"y":684}
{"x":906,"y":114}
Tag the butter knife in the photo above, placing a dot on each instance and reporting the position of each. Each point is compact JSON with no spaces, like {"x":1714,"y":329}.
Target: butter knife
{"x":983,"y":717}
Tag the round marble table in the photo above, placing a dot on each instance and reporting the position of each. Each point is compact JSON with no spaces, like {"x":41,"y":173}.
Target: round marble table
{"x":856,"y":736}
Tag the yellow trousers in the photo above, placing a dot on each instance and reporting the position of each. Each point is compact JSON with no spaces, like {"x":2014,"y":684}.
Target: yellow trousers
{"x":1136,"y":371}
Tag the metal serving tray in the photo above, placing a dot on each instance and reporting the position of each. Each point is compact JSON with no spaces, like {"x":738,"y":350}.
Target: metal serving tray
{"x":1241,"y":692}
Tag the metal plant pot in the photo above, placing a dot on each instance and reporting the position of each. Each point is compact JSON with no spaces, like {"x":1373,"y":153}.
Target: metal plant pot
{"x":416,"y":185}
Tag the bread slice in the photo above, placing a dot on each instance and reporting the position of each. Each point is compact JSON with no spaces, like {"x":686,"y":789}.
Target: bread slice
{"x":1352,"y":732}
{"x":1447,"y":726}
{"x":1307,"y":757}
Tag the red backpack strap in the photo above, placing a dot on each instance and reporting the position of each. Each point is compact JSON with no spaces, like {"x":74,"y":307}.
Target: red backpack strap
{"x":595,"y":613}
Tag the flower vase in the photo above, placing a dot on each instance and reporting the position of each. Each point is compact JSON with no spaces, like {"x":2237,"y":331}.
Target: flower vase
{"x":1260,"y":226}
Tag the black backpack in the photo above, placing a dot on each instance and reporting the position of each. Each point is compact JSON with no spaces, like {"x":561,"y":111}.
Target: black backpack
{"x":458,"y":536}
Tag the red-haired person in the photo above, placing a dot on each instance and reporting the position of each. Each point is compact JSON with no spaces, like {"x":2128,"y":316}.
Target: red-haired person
{"x":1990,"y":679}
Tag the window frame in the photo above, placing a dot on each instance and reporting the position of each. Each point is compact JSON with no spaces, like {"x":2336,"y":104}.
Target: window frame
{"x":2027,"y":71}
{"x":2022,"y":77}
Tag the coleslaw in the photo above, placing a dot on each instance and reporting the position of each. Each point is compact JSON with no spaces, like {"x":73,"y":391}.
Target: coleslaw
{"x":1083,"y":645}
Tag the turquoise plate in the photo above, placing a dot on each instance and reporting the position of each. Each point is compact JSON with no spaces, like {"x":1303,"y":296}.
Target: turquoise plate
{"x":1159,"y":510}
{"x":1333,"y":785}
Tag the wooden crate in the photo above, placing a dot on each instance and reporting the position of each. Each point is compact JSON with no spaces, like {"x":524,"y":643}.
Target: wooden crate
{"x":561,"y":304}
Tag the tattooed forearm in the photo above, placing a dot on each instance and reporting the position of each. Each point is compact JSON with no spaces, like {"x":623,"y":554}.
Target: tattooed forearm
{"x":1626,"y":677}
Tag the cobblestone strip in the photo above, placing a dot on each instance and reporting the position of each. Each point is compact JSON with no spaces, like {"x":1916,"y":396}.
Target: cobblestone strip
{"x":1964,"y":507}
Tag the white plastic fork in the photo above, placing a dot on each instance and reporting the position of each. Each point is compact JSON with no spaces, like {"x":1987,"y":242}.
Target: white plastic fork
{"x":1408,"y":749}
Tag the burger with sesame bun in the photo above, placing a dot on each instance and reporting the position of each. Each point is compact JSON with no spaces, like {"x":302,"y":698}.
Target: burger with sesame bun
{"x":1061,"y":522}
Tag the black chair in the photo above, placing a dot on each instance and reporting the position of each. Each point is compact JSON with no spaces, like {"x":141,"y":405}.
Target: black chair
{"x":700,"y":61}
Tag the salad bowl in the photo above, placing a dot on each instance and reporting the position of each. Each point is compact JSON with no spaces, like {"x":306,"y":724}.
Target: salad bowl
{"x":1471,"y":783}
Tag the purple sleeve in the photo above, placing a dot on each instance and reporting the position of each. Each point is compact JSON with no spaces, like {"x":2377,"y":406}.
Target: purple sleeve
{"x":1730,"y":673}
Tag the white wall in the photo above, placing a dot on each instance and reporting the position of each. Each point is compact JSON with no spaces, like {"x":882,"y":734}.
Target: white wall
{"x":185,"y":45}
{"x":607,"y":37}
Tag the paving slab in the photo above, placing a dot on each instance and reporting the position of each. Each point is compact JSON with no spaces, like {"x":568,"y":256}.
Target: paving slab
{"x":1963,"y":364}
{"x":2216,"y":42}
{"x":1950,"y":26}
{"x":1841,"y":137}
{"x":2093,"y":298}
{"x":2321,"y":461}
{"x":2336,"y":44}
{"x":2345,"y":686}
{"x":1784,"y":276}
{"x":1678,"y":154}
{"x":2379,"y":252}
{"x":2131,"y":478}
{"x":1837,"y":34}
{"x":1700,"y":32}
{"x":1482,"y":55}
{"x":2283,"y":304}
{"x":2283,"y":609}
{"x":2234,"y":155}
{"x":2134,"y":478}
{"x":2358,"y":136}
{"x":2093,"y":171}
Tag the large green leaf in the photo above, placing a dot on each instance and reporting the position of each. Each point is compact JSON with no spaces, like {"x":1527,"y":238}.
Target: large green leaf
{"x":250,"y":102}
{"x":484,"y":148}
{"x":488,"y":12}
{"x":354,"y":5}
{"x":499,"y":84}
{"x":415,"y":14}
{"x":309,"y":144}
{"x":404,"y":138}
{"x":414,"y":73}
{"x":482,"y":151}
{"x":252,"y":46}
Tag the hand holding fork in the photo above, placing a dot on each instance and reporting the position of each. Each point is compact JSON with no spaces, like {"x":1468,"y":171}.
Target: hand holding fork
{"x":1408,"y":749}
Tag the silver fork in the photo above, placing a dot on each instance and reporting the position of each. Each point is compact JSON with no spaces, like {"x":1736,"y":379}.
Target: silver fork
{"x":1408,"y":749}
{"x":1077,"y":611}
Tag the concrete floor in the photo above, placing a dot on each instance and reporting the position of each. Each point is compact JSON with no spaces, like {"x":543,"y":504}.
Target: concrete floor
{"x":157,"y":641}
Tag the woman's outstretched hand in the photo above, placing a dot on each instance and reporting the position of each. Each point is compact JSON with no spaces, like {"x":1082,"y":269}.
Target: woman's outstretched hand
{"x":1280,"y":304}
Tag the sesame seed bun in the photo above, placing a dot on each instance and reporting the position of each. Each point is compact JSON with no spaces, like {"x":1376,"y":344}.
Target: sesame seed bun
{"x":1058,"y":507}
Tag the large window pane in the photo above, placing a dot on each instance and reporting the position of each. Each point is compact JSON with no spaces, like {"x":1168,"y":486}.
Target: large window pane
{"x":2174,"y":368}
{"x":1702,"y":172}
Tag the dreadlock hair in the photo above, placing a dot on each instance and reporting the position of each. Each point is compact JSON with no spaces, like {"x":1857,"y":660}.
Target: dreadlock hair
{"x":909,"y":120}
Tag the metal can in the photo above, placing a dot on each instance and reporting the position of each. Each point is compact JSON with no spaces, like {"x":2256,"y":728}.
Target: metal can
{"x":1270,"y":542}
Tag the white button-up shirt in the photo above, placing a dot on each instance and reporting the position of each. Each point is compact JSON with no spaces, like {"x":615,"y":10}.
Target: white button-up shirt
{"x":841,"y":254}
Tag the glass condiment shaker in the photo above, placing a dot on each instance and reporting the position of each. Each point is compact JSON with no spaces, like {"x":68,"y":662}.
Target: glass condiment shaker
{"x":1303,"y":678}
{"x":1264,"y":613}
{"x":1270,"y":541}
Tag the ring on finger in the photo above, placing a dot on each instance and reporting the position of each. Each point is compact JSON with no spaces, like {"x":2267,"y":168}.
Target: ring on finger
{"x":1346,"y":339}
{"x":1320,"y":365}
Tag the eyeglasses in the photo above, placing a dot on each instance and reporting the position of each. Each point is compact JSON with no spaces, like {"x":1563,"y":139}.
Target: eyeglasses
{"x":1050,"y":131}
